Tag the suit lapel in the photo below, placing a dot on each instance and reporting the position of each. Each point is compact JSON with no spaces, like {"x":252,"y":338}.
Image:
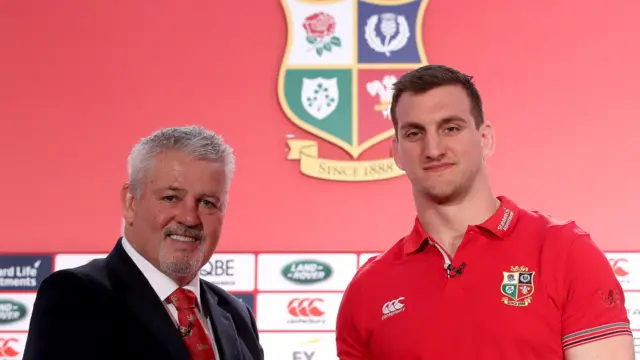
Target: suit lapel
{"x":223,"y":329}
{"x":144,"y":302}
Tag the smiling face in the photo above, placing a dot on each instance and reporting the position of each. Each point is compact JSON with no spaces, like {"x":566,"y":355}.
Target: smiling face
{"x":176,"y":220}
{"x":438,"y":144}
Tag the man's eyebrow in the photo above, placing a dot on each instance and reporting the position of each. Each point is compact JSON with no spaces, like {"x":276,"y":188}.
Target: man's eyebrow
{"x":451,"y":119}
{"x":214,"y":196}
{"x":412,"y":125}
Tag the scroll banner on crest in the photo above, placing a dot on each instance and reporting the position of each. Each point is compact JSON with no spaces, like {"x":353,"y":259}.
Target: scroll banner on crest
{"x":336,"y":79}
{"x":339,"y":170}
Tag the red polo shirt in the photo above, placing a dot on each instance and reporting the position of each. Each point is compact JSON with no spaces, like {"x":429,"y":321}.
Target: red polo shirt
{"x":531,"y":288}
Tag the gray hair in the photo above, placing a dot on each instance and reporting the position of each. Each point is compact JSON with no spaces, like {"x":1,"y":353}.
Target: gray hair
{"x":194,"y":141}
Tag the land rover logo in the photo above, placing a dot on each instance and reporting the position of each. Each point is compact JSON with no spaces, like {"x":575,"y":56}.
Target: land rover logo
{"x":11,"y":311}
{"x":306,"y":271}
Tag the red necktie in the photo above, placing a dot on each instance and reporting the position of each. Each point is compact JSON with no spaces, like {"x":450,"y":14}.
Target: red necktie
{"x":191,"y":328}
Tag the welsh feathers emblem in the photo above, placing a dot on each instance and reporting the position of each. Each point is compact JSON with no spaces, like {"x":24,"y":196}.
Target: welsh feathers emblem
{"x":517,"y":286}
{"x":336,"y":79}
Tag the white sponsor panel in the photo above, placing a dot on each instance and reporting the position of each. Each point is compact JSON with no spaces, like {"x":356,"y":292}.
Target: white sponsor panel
{"x":232,"y":272}
{"x":15,"y":311}
{"x":12,"y":345}
{"x":632,"y":303}
{"x":69,"y":261}
{"x":299,"y":346}
{"x":311,"y":272}
{"x":626,"y":266}
{"x":636,"y":343}
{"x":297,"y":311}
{"x":364,"y":257}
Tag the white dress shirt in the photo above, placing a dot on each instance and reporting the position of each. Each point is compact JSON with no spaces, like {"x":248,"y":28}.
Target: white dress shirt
{"x":164,"y":286}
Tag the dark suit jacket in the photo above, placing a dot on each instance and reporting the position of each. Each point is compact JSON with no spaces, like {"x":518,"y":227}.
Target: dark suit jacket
{"x":107,"y":309}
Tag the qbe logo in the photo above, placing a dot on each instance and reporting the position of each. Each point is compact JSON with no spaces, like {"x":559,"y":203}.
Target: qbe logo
{"x":12,"y":345}
{"x":24,"y":272}
{"x":297,"y":311}
{"x":232,"y":272}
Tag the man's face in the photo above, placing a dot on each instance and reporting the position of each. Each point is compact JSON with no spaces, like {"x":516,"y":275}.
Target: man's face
{"x":176,"y":221}
{"x":437,"y":143}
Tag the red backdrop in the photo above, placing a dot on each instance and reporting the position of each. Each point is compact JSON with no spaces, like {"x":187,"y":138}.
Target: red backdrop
{"x":81,"y":81}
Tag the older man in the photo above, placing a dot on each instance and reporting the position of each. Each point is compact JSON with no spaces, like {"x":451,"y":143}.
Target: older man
{"x":145,"y":299}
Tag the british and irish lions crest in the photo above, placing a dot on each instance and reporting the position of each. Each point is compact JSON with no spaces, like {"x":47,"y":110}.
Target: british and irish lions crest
{"x":517,"y":286}
{"x":336,"y":79}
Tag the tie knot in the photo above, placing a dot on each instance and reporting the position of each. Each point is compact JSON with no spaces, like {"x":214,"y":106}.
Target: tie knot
{"x":182,"y":298}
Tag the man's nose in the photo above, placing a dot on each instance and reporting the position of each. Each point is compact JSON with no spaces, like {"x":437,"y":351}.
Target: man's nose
{"x":434,"y":147}
{"x":188,"y":214}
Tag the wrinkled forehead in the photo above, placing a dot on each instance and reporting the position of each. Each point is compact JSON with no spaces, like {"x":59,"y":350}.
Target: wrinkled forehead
{"x":180,"y":171}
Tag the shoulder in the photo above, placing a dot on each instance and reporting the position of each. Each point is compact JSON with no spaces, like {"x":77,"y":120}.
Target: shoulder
{"x":555,"y":230}
{"x":91,"y":277}
{"x":376,"y":268}
{"x":563,"y":242}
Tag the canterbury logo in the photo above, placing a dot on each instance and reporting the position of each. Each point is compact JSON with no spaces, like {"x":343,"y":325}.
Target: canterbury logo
{"x":619,"y":267}
{"x":305,"y":307}
{"x":392,"y":307}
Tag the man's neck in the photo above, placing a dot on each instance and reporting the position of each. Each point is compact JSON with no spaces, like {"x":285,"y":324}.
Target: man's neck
{"x":448,"y":223}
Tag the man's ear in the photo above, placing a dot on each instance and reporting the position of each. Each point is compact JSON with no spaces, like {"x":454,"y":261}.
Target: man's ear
{"x":394,"y":152}
{"x":128,"y":203}
{"x":487,"y":133}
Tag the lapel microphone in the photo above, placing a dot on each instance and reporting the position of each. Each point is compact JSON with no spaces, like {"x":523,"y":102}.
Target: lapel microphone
{"x":453,"y":271}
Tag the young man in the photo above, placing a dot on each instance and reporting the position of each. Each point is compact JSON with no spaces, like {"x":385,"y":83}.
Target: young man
{"x":146,"y":300}
{"x":477,"y":277}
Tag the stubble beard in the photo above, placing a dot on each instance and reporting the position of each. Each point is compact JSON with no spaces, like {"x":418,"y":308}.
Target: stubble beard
{"x":180,"y":265}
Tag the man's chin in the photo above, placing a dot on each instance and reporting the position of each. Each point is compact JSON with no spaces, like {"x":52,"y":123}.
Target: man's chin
{"x":442,"y":196}
{"x":180,"y":268}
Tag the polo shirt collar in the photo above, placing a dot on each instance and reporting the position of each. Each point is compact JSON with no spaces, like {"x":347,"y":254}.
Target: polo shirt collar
{"x":499,"y":224}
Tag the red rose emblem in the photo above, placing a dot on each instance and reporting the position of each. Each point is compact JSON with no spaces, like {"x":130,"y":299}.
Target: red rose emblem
{"x":319,"y":25}
{"x":320,"y":28}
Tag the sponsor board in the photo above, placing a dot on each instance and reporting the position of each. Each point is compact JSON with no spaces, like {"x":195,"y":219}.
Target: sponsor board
{"x":232,"y":272}
{"x":24,"y":272}
{"x":632,"y":303}
{"x":299,"y":346}
{"x":636,"y":343}
{"x":626,"y":266}
{"x":15,"y":311}
{"x":12,"y":345}
{"x":315,"y":311}
{"x":312,"y":272}
{"x":363,"y":258}
{"x":69,"y":261}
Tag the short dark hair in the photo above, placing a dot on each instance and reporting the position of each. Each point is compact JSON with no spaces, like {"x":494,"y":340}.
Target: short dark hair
{"x":429,"y":77}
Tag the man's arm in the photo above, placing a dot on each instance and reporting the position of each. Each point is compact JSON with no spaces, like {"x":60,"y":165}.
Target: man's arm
{"x":595,"y":325}
{"x":58,"y":327}
{"x":618,"y":348}
{"x":350,"y":338}
{"x":254,"y":327}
